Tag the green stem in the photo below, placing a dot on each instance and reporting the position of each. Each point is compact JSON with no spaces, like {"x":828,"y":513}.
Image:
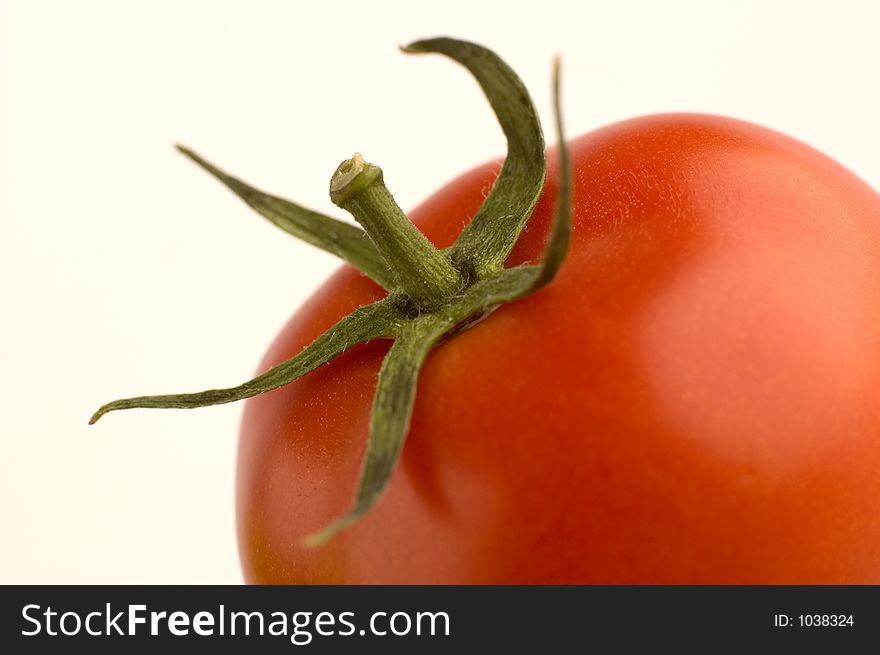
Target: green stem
{"x":421,"y":271}
{"x":433,"y":294}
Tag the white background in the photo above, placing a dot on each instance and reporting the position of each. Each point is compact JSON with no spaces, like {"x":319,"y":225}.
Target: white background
{"x":126,"y":270}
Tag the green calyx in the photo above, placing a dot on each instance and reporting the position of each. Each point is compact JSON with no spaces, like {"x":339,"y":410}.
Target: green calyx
{"x":432,"y":294}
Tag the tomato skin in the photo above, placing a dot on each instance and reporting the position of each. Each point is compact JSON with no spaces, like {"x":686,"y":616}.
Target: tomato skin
{"x":694,"y":399}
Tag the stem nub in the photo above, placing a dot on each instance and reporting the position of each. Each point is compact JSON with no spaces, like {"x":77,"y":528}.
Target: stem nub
{"x":422,"y":272}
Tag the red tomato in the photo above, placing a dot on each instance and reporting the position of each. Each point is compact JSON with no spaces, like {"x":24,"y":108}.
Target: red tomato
{"x":694,"y":399}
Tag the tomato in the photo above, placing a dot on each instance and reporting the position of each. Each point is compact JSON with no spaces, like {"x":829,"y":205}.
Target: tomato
{"x":694,"y":399}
